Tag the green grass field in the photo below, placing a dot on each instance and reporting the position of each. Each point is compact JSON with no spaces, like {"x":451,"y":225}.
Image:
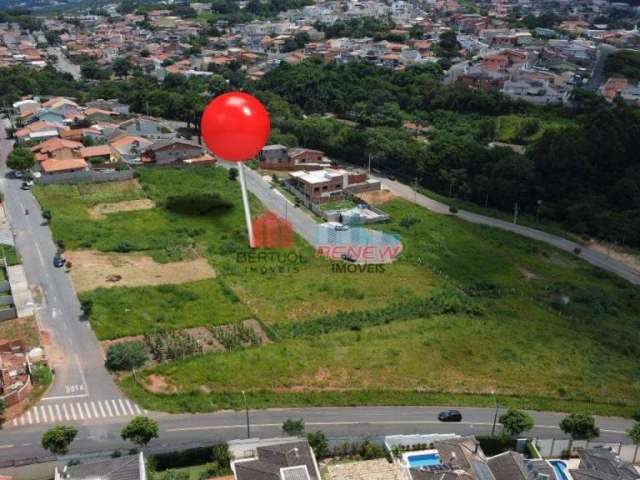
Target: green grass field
{"x":541,"y":327}
{"x":524,"y":129}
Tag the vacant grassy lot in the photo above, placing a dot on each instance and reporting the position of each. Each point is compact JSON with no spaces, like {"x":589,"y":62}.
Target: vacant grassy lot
{"x":465,"y":310}
{"x":121,"y":312}
{"x":523,"y":129}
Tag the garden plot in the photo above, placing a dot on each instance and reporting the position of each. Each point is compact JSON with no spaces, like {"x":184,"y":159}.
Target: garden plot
{"x":101,"y":210}
{"x":91,"y":270}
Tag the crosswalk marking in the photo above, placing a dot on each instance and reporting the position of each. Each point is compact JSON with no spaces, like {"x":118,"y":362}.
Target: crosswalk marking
{"x":76,"y":411}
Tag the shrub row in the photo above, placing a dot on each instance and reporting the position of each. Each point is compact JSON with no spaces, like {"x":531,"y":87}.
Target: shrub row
{"x":448,"y":302}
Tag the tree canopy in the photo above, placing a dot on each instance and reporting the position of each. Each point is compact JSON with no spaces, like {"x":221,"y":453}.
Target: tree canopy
{"x":21,"y":159}
{"x":514,"y":422}
{"x":140,"y":430}
{"x":58,"y":439}
{"x":580,"y":426}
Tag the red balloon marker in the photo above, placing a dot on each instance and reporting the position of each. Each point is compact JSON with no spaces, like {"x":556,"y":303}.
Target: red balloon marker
{"x":235,"y":126}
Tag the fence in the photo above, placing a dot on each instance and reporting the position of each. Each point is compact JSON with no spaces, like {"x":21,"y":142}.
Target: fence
{"x":556,"y":448}
{"x":87,"y":176}
{"x":20,"y":394}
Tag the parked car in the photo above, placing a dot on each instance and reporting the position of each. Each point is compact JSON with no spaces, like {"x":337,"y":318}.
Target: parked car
{"x":26,"y":185}
{"x":58,"y":261}
{"x":341,"y":228}
{"x":348,"y":258}
{"x":450,"y":416}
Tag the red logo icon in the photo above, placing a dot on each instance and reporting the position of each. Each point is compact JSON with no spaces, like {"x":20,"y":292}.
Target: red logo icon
{"x":271,"y":231}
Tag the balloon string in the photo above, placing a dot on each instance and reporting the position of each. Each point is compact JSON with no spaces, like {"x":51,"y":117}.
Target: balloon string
{"x":245,"y":203}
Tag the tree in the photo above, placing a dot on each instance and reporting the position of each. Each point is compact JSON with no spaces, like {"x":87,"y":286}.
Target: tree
{"x":121,"y":66}
{"x":293,"y":428}
{"x":58,"y":439}
{"x":233,"y":173}
{"x":21,"y":159}
{"x":46,"y":214}
{"x":580,"y":426}
{"x":514,"y":422}
{"x":318,"y":442}
{"x":634,"y":433}
{"x":140,"y":430}
{"x":449,"y":42}
{"x":3,"y":406}
{"x":125,"y":356}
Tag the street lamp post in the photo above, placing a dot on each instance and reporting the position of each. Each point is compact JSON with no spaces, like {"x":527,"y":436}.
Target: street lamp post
{"x":495,"y":416}
{"x":246,"y":409}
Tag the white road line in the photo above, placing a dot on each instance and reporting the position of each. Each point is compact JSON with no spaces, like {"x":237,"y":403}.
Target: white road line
{"x":138,"y":411}
{"x":124,"y":410}
{"x":73,"y":411}
{"x":36,"y":415}
{"x":115,"y":408}
{"x":66,"y":413}
{"x":43,"y":412}
{"x":101,"y":409}
{"x":95,"y":410}
{"x":80,"y":414}
{"x":129,"y":407}
{"x":15,"y":422}
{"x":22,"y":420}
{"x":64,"y":397}
{"x":86,"y":408}
{"x":29,"y":419}
{"x":6,"y":446}
{"x":106,"y":404}
{"x":51,"y":415}
{"x":60,"y":419}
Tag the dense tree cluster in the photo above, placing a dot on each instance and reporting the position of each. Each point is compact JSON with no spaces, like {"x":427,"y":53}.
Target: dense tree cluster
{"x":624,"y":63}
{"x":377,"y":28}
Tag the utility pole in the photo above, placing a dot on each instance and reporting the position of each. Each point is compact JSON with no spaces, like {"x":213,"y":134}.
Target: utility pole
{"x":495,"y":416}
{"x":515,"y":213}
{"x":246,"y":409}
{"x":369,"y":167}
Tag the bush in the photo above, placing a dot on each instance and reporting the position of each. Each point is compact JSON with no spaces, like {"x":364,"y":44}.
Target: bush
{"x":125,"y":356}
{"x":293,"y":428}
{"x":218,"y":453}
{"x":233,"y":173}
{"x":453,"y":209}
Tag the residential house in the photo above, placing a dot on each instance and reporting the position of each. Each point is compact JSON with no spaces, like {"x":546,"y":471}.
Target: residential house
{"x":278,"y":157}
{"x":96,"y":154}
{"x":147,"y":127}
{"x":110,"y":105}
{"x":26,"y":106}
{"x":121,"y":468}
{"x":329,"y":184}
{"x":129,"y":148}
{"x":292,"y":460}
{"x":172,"y":150}
{"x":602,"y":464}
{"x":15,"y":383}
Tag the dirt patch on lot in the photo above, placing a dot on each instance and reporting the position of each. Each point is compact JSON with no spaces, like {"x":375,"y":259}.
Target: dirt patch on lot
{"x":377,"y":197}
{"x":629,"y":259}
{"x":158,"y":384}
{"x":101,"y":210}
{"x":91,"y":270}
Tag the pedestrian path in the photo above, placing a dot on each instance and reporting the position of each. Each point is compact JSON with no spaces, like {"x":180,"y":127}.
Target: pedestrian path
{"x":50,"y":412}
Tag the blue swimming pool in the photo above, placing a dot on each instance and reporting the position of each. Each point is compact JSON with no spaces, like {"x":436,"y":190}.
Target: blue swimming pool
{"x":423,"y":460}
{"x":560,"y":469}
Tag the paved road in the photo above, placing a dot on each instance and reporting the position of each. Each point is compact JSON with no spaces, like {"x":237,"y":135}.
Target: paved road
{"x":597,"y":75}
{"x":64,"y":64}
{"x":184,"y":430}
{"x":594,"y":257}
{"x":74,"y":351}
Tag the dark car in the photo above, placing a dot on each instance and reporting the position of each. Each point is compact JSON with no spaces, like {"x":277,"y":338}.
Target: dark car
{"x":58,"y":261}
{"x":348,"y":258}
{"x":450,"y":416}
{"x":25,"y":186}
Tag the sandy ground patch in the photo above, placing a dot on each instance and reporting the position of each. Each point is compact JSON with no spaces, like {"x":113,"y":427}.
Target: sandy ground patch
{"x":158,"y":384}
{"x":376,"y":197}
{"x":91,"y":270}
{"x":101,"y":210}
{"x":629,"y":259}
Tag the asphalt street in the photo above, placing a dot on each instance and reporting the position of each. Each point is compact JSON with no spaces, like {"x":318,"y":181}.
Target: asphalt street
{"x":74,"y":351}
{"x":200,"y":429}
